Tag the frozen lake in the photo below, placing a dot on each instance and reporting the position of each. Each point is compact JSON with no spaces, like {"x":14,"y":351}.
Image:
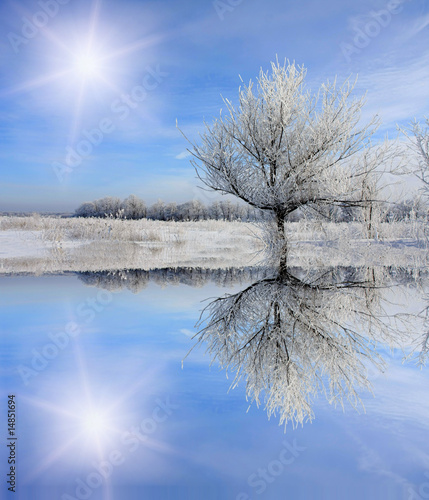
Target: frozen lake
{"x":105,"y":409}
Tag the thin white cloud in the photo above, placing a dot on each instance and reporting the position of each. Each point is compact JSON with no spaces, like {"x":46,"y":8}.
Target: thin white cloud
{"x":418,"y":26}
{"x":183,"y":155}
{"x":356,"y":22}
{"x":398,"y":92}
{"x":187,"y":332}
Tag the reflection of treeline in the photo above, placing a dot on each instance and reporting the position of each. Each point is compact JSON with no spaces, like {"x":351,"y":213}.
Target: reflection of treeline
{"x":136,"y":208}
{"x":137,"y":279}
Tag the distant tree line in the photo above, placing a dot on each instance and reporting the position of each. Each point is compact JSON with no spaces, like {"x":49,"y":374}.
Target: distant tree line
{"x":133,"y":208}
{"x":408,"y":209}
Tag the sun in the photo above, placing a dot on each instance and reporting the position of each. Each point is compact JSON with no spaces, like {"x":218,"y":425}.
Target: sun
{"x":86,"y":65}
{"x":94,"y":422}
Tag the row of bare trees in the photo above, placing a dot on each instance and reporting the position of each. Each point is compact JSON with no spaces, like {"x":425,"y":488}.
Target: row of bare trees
{"x":134,"y":207}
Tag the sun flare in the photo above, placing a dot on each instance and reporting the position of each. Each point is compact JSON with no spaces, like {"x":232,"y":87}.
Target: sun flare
{"x":82,"y":67}
{"x":86,"y":65}
{"x":94,"y":422}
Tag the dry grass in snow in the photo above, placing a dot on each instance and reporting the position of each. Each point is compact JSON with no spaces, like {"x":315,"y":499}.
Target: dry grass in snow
{"x":38,"y":244}
{"x":47,"y":244}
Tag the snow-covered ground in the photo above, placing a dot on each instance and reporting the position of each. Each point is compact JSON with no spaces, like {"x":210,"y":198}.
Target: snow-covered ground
{"x":18,"y":244}
{"x":14,"y":244}
{"x":53,"y":245}
{"x":45,"y":244}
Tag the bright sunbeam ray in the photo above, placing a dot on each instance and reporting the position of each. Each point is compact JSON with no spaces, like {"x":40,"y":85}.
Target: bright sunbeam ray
{"x":37,"y":82}
{"x":157,"y":445}
{"x":75,"y":123}
{"x":87,"y":417}
{"x":139,"y":44}
{"x":146,"y":380}
{"x":114,"y":88}
{"x":95,"y":15}
{"x":52,"y":458}
{"x":47,"y":405}
{"x":76,"y":413}
{"x":50,"y":35}
{"x":44,"y":30}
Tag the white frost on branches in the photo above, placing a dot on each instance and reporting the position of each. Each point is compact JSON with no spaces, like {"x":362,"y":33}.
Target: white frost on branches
{"x":283,"y":147}
{"x":418,"y":136}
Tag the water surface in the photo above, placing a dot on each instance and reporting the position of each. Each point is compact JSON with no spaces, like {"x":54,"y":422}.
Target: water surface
{"x":109,"y":412}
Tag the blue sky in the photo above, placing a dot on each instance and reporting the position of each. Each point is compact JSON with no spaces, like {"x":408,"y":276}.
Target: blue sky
{"x":79,"y":125}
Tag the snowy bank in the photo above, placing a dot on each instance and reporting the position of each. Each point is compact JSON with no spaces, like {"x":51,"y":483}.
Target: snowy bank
{"x":40,"y":245}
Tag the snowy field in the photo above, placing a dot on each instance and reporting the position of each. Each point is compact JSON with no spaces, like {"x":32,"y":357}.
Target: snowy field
{"x":47,"y":244}
{"x":38,"y":244}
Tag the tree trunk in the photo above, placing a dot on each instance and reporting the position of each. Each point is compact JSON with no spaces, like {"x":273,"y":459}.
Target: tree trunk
{"x":283,"y":264}
{"x":280,"y":218}
{"x":283,"y":254}
{"x":370,"y":228}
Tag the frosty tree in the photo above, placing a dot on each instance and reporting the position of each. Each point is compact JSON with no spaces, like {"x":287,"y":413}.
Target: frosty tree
{"x":419,"y":137}
{"x":283,"y":147}
{"x":134,"y":207}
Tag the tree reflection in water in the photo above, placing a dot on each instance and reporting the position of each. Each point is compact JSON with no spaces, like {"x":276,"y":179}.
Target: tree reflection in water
{"x":291,"y":338}
{"x":294,"y":334}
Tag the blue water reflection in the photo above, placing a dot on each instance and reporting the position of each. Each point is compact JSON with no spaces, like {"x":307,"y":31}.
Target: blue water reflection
{"x":107,"y":411}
